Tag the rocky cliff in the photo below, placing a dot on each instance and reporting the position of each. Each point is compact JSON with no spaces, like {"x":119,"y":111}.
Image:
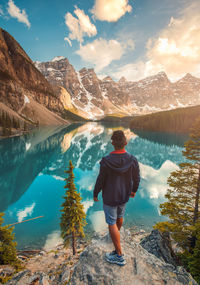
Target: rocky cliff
{"x":97,"y":98}
{"x":143,"y":267}
{"x":23,"y":89}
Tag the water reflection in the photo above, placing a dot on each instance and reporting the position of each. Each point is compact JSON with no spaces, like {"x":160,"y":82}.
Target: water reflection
{"x":32,"y":176}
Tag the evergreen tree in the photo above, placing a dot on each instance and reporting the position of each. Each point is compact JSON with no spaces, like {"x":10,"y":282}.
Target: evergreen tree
{"x":73,"y":215}
{"x":8,"y":252}
{"x":194,"y":258}
{"x":192,"y":152}
{"x":183,"y":202}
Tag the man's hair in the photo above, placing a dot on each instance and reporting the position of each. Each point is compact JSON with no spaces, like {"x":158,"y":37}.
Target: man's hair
{"x":118,"y":139}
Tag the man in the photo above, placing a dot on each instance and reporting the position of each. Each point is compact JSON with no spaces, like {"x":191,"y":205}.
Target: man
{"x":118,"y":179}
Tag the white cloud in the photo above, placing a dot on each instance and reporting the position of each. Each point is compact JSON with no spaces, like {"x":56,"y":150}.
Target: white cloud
{"x":97,"y":219}
{"x":15,"y":12}
{"x":131,"y":71}
{"x":110,"y":10}
{"x":155,"y":181}
{"x":176,"y":50}
{"x":87,"y":204}
{"x":80,"y":26}
{"x":58,"y":177}
{"x":101,"y":52}
{"x":22,"y":214}
{"x":53,"y":240}
{"x":68,"y":40}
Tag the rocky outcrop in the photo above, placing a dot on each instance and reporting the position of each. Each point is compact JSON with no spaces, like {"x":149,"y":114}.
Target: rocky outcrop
{"x":23,"y":88}
{"x":142,"y":268}
{"x":159,"y":244}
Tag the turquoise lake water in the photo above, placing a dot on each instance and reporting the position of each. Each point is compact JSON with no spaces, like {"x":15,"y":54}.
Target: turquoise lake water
{"x":32,"y":177}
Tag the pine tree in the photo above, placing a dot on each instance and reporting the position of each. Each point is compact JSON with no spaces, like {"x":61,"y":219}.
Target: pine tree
{"x":73,"y":215}
{"x":183,"y":204}
{"x":8,"y":252}
{"x":194,"y":258}
{"x":192,"y":152}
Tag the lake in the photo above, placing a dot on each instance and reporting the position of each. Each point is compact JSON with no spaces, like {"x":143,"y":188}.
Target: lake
{"x":32,"y":177}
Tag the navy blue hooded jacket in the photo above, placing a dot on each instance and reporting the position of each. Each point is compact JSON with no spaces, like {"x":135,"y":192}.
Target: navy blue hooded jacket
{"x":119,"y":176}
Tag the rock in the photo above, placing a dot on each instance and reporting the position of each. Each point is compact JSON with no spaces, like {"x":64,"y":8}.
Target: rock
{"x":142,"y":268}
{"x":104,"y":97}
{"x":160,"y":245}
{"x":44,"y":280}
{"x":26,"y":278}
{"x":24,"y":91}
{"x":65,"y":276}
{"x":6,"y":271}
{"x":21,"y":278}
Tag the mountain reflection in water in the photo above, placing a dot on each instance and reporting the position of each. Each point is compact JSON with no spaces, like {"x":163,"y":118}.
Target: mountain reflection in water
{"x":32,"y":177}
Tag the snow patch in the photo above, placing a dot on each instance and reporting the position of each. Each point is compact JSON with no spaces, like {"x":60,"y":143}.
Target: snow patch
{"x":26,"y":100}
{"x":28,"y":145}
{"x":57,"y":58}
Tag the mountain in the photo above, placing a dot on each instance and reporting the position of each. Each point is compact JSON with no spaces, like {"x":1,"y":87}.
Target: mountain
{"x":97,"y":98}
{"x":91,"y":97}
{"x":25,"y":94}
{"x":53,"y":92}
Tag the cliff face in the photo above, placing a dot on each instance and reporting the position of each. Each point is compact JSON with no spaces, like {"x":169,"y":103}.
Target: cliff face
{"x":23,"y":88}
{"x":97,"y":98}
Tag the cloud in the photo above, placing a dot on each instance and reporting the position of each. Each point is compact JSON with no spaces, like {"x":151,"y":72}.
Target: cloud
{"x":97,"y":219}
{"x":101,"y":52}
{"x":53,"y":240}
{"x":15,"y":12}
{"x":68,"y":40}
{"x":131,"y":71}
{"x":87,"y":204}
{"x":176,"y":49}
{"x":58,"y":177}
{"x":110,"y":10}
{"x":80,"y":26}
{"x":155,"y":181}
{"x":21,"y":214}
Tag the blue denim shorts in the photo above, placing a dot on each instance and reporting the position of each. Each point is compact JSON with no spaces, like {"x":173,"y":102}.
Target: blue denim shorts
{"x":112,"y":213}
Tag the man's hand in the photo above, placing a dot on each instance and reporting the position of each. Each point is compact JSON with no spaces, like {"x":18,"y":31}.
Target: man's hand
{"x":96,"y":199}
{"x":132,"y":194}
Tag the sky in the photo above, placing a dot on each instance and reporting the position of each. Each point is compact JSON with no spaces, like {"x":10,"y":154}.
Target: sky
{"x":130,"y":38}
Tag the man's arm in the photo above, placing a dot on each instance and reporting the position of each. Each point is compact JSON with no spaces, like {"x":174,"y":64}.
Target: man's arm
{"x":100,"y":181}
{"x":136,"y":177}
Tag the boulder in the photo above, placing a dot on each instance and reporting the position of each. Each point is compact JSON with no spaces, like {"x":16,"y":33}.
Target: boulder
{"x":159,"y":244}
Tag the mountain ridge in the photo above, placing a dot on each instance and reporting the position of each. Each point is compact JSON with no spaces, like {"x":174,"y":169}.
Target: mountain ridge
{"x":98,"y":98}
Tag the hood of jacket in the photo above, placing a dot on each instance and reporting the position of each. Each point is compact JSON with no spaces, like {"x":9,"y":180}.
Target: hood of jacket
{"x":118,"y":162}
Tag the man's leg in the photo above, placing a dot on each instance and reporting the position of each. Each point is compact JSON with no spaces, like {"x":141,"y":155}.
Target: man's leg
{"x":115,"y":236}
{"x":119,"y":223}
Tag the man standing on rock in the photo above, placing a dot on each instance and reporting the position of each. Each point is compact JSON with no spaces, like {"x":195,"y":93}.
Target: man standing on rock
{"x":118,"y":179}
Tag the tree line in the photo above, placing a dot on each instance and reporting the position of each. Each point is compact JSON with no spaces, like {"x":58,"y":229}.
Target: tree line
{"x":7,"y":122}
{"x":179,"y":120}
